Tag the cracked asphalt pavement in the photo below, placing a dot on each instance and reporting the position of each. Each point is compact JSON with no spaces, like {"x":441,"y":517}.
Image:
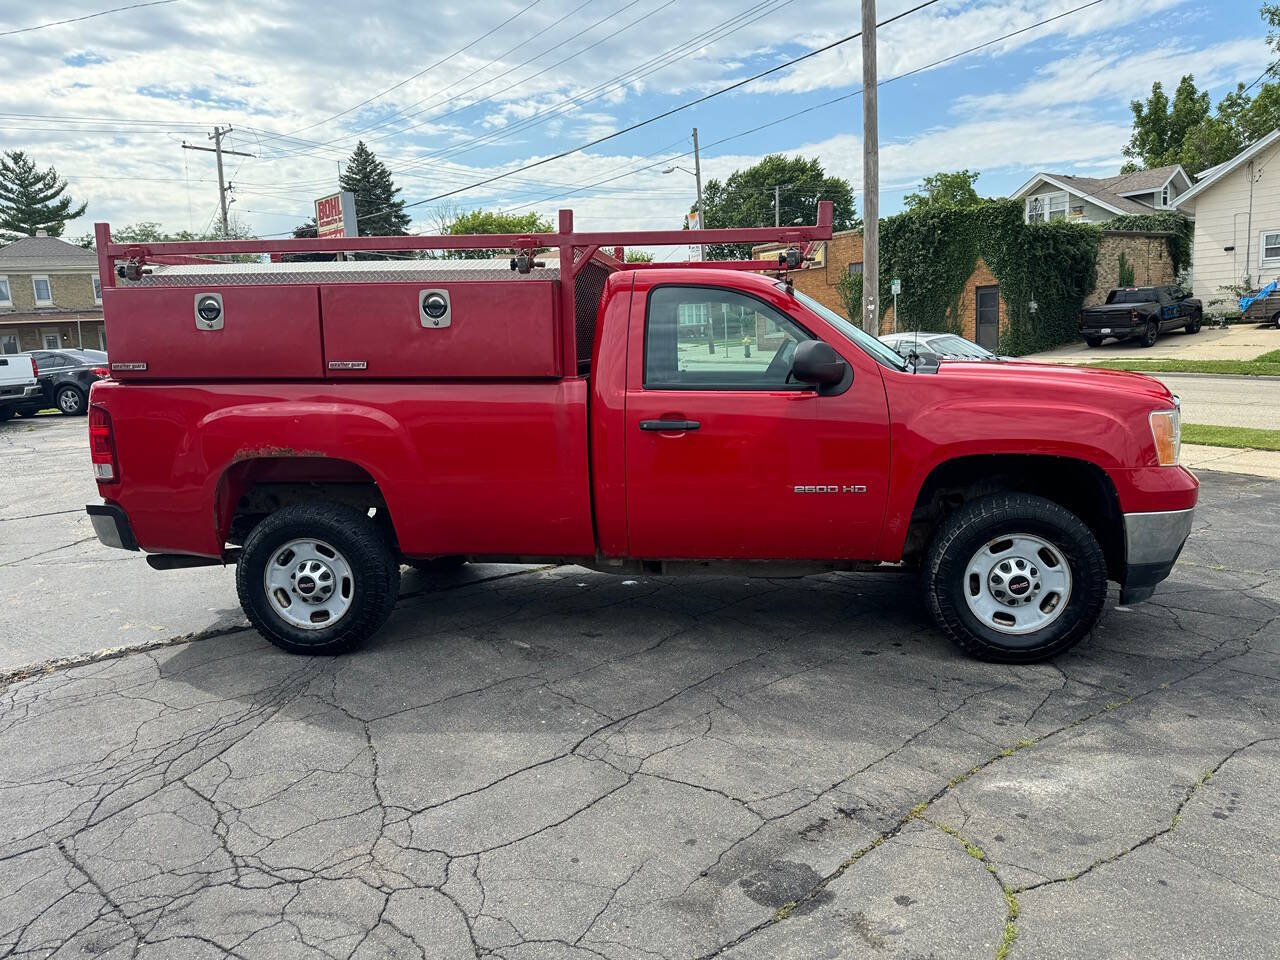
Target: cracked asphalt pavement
{"x":551,"y":764}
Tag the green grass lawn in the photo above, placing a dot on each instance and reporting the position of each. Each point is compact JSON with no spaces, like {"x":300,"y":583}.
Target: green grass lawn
{"x":1266,"y":365}
{"x":1231,"y":436}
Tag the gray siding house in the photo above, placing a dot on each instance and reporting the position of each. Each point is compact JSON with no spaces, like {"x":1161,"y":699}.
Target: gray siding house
{"x":1060,"y":196}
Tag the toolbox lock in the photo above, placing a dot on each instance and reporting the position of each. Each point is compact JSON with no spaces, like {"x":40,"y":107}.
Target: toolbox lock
{"x":209,"y":311}
{"x":433,"y":308}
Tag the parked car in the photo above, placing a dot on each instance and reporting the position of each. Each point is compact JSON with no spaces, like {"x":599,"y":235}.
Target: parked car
{"x":18,"y":384}
{"x":455,"y":409}
{"x":65,"y":378}
{"x":1142,"y":312}
{"x":932,"y":347}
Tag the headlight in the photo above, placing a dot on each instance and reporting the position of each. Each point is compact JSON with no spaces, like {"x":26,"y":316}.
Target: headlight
{"x":1166,"y":430}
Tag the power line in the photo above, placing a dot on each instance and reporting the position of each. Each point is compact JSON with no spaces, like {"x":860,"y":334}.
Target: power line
{"x":87,"y":16}
{"x":640,"y":71}
{"x":817,"y":106}
{"x":425,"y":70}
{"x":1264,"y":73}
{"x":666,"y":113}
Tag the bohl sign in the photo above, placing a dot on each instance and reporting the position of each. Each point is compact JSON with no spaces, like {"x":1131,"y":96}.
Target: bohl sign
{"x":336,"y":215}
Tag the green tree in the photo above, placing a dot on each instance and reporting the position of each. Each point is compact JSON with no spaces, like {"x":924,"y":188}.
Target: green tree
{"x":379,"y":212}
{"x":1160,"y":128}
{"x":745,"y":199}
{"x":455,"y":223}
{"x":32,"y":199}
{"x":639,"y":256}
{"x":849,"y":289}
{"x":945,"y":189}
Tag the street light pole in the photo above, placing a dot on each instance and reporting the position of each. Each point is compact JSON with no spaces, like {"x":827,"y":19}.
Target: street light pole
{"x":697,"y":176}
{"x":870,"y":176}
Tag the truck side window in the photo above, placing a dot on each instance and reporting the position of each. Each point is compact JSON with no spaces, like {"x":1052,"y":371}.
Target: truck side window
{"x":705,"y":338}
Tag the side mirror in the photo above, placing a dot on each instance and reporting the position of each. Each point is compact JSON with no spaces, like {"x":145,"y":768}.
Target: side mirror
{"x":818,"y":363}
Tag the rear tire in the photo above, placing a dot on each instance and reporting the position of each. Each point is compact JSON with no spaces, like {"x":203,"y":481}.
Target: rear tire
{"x":1195,"y":323}
{"x":27,"y":411}
{"x":1150,"y":335}
{"x":1013,"y":616}
{"x":1093,"y":341}
{"x":335,"y":578}
{"x":5,"y":413}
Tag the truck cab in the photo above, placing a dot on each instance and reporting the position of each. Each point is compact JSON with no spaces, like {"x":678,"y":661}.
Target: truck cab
{"x":630,"y":418}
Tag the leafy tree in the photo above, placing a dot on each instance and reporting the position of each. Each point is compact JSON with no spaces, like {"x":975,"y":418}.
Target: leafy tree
{"x":639,"y":256}
{"x":378,"y":211}
{"x":945,"y":190}
{"x":149,"y":231}
{"x":1160,"y":128}
{"x":745,"y":199}
{"x":453,"y":222}
{"x":32,"y":199}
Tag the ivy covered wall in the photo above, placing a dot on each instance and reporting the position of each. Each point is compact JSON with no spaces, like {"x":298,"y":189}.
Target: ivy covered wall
{"x":934,"y":251}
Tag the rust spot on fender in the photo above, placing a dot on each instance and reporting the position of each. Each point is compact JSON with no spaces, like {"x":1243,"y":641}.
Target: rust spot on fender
{"x":257,"y":453}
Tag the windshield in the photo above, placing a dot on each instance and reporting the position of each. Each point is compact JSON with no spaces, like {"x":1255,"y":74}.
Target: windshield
{"x":869,"y":344}
{"x":1140,"y":295}
{"x":951,"y":346}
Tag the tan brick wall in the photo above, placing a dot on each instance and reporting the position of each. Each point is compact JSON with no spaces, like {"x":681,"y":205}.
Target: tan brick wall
{"x":981,"y":277}
{"x":1148,"y":255}
{"x":29,"y":334}
{"x":70,"y":291}
{"x":820,"y":283}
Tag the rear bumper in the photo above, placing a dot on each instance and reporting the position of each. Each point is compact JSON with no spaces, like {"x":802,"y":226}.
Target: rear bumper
{"x":111,"y":524}
{"x":1118,"y":328}
{"x":1152,"y":543}
{"x":17,"y":395}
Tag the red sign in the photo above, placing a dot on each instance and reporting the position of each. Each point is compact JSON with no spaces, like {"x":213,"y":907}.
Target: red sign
{"x":336,"y":215}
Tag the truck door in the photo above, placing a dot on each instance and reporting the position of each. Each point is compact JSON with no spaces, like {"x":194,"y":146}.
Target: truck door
{"x":725,"y":457}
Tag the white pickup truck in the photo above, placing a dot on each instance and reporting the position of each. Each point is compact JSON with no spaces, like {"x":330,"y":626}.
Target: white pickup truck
{"x":18,"y":386}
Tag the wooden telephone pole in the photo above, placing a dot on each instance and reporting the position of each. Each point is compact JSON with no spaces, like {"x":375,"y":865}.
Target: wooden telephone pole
{"x":870,"y":176}
{"x":217,"y":148}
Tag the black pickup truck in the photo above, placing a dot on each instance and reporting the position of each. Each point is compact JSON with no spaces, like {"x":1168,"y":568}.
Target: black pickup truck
{"x":1142,"y":312}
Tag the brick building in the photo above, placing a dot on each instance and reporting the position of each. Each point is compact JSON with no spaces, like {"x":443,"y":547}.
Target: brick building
{"x":983,"y":313}
{"x":50,"y":297}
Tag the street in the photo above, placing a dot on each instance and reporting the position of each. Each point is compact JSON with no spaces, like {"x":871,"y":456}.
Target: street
{"x":1226,"y":401}
{"x":536,"y":762}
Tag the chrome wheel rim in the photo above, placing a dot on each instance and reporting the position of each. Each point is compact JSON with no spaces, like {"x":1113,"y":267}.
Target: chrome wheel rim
{"x":309,"y":584}
{"x":69,"y":401}
{"x":1017,"y":584}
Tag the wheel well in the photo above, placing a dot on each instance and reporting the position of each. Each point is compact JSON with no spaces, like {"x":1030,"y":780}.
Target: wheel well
{"x":253,"y":489}
{"x":1080,"y":486}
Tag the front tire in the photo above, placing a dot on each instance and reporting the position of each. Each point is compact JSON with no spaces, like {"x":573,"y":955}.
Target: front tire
{"x":1015,"y":578}
{"x":71,"y":401}
{"x":317,"y":578}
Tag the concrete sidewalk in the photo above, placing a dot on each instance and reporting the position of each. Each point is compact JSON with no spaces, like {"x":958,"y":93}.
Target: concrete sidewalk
{"x":1256,"y":463}
{"x":1239,"y":342}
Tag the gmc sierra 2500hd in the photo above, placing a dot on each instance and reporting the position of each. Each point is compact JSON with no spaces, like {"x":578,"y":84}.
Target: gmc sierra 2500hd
{"x":321,"y":423}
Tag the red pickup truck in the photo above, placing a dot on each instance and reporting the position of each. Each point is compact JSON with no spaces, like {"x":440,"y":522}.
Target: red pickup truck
{"x":322,"y":423}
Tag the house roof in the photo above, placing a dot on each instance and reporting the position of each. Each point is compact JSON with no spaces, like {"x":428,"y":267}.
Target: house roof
{"x":1215,"y":174}
{"x":1110,"y":193}
{"x":35,"y":253}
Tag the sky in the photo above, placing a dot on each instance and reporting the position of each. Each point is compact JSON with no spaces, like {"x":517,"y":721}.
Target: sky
{"x":450,"y":93}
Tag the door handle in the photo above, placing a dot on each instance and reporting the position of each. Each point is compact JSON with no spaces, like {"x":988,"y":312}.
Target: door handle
{"x":669,"y":426}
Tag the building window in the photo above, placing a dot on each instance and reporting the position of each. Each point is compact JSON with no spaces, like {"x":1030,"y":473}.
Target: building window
{"x":5,"y":299}
{"x":1058,"y":206}
{"x":97,"y":290}
{"x":1035,"y":210}
{"x":855,"y":269}
{"x":9,"y":343}
{"x":44,"y":293}
{"x":49,"y":338}
{"x":1164,"y":197}
{"x":1270,"y":246}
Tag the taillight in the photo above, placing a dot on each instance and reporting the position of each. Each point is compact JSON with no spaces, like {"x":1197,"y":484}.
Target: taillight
{"x":100,"y":372}
{"x":34,"y":373}
{"x":1133,"y":314}
{"x":102,"y":445}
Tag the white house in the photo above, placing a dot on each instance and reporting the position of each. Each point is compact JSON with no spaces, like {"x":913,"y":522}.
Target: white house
{"x":1236,"y":206}
{"x":1060,"y":196}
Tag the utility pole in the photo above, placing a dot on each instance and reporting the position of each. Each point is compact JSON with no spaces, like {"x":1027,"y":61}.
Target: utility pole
{"x":870,"y":176}
{"x":223,"y":188}
{"x":777,"y":206}
{"x":697,"y":176}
